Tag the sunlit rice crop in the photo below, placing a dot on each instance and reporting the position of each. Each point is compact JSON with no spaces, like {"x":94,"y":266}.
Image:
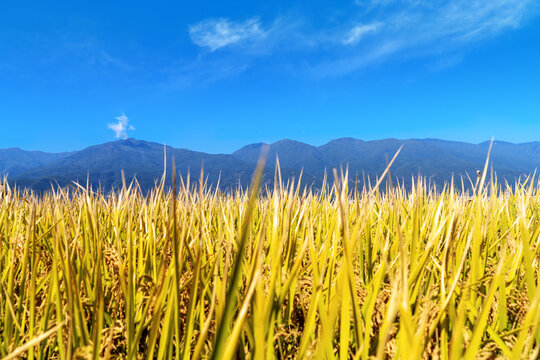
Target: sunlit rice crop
{"x":281,"y":273}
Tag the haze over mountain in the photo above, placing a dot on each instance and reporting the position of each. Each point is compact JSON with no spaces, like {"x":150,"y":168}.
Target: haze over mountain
{"x":437,"y":160}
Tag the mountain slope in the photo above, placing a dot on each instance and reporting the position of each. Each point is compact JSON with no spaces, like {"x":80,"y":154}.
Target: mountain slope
{"x":102,"y":165}
{"x":14,"y":161}
{"x":292,"y":154}
{"x":437,"y":160}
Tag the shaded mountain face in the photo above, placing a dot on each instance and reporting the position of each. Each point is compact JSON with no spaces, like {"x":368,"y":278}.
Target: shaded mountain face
{"x":292,"y":155}
{"x":438,"y":160}
{"x":14,"y":161}
{"x":102,"y":165}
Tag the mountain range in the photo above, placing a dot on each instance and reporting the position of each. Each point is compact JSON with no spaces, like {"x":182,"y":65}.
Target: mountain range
{"x":101,"y":165}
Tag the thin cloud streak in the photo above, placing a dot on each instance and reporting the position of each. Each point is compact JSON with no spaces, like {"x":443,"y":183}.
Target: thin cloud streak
{"x":218,"y":33}
{"x":230,"y":48}
{"x":424,"y":29}
{"x":381,"y":30}
{"x":359,"y":31}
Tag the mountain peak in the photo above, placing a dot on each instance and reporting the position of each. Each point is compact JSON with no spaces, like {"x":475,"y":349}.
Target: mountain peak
{"x":288,"y":141}
{"x":344,"y":141}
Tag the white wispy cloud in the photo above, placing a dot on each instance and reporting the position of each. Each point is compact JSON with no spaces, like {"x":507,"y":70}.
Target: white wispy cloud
{"x":415,"y":28}
{"x":359,"y":31}
{"x":121,"y":128}
{"x":379,"y":31}
{"x":463,"y":20}
{"x":246,"y":41}
{"x":218,"y":33}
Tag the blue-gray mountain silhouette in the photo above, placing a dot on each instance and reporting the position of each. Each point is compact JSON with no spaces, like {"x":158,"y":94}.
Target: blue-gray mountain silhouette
{"x":437,"y":160}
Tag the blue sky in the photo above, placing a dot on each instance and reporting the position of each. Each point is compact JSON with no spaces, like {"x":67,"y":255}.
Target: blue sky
{"x":215,"y":75}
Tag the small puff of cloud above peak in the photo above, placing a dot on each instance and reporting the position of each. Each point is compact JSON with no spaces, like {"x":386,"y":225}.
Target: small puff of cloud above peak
{"x":121,"y":127}
{"x":218,"y":33}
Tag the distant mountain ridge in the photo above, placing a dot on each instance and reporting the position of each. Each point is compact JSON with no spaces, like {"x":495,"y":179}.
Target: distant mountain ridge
{"x":102,"y":165}
{"x":436,"y":159}
{"x":15,"y":160}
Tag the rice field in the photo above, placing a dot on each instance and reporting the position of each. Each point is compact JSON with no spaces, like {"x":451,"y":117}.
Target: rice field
{"x":282,"y":273}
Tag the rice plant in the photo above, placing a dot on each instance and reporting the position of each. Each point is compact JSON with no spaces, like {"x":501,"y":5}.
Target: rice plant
{"x":285,"y":272}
